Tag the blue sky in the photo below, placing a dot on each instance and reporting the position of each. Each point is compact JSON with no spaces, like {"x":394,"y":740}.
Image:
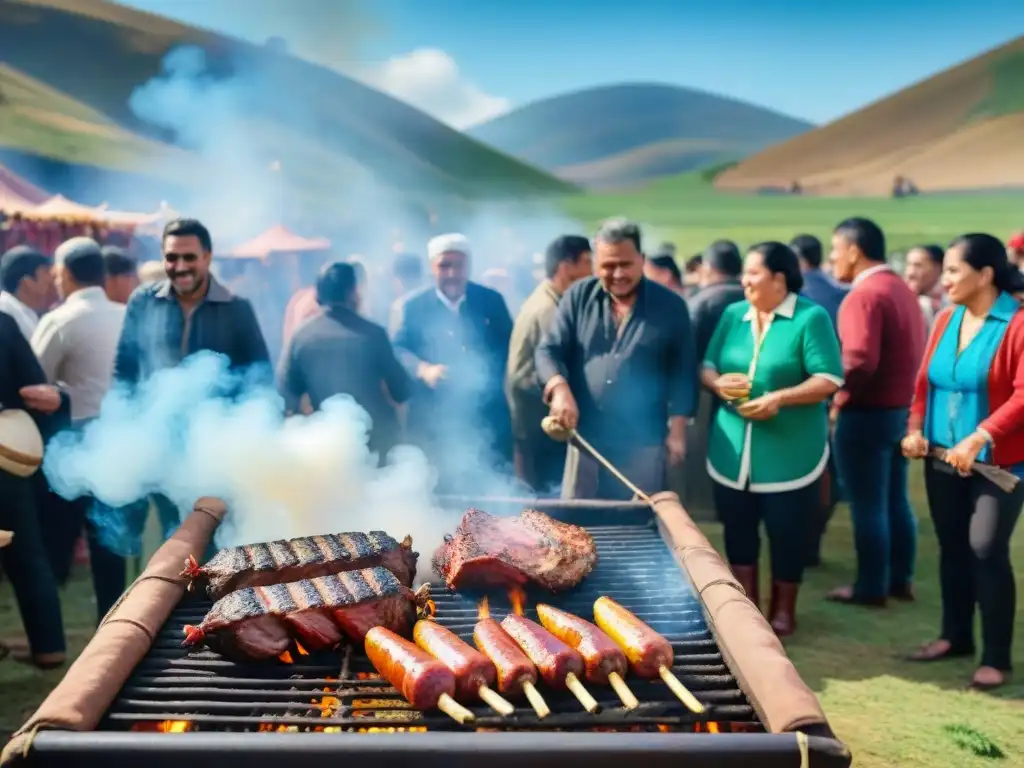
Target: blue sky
{"x":464,"y":61}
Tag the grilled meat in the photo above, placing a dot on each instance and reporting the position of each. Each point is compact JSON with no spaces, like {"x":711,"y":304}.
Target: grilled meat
{"x":471,"y":668}
{"x":504,"y":551}
{"x":262,"y":622}
{"x":646,"y":650}
{"x":414,"y":673}
{"x":600,"y":653}
{"x":514,"y":667}
{"x":280,"y":562}
{"x":554,"y":659}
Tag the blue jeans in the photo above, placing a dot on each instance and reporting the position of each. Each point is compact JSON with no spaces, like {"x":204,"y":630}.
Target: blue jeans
{"x":874,"y":477}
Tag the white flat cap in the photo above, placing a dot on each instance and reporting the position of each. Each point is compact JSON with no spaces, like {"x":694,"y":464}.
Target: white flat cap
{"x":450,"y":243}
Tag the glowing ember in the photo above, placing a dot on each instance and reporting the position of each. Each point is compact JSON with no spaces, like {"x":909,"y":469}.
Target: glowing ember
{"x":417,"y":729}
{"x":713,"y":728}
{"x":167,"y":726}
{"x":286,"y":657}
{"x":483,"y":609}
{"x":518,"y":599}
{"x":367,"y":676}
{"x":302,"y":651}
{"x":664,"y":729}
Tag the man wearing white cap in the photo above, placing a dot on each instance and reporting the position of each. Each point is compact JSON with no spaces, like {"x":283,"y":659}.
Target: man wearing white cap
{"x":453,"y":338}
{"x":76,"y":344}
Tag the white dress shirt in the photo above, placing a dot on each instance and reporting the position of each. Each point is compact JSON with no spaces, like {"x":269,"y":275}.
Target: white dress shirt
{"x":76,"y":344}
{"x":26,"y":319}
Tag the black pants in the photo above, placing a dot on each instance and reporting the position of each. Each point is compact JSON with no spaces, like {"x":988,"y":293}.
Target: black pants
{"x":974,"y":522}
{"x":28,"y":568}
{"x":786,"y":516}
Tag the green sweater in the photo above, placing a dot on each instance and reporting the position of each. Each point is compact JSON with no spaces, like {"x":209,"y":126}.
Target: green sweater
{"x":790,"y":450}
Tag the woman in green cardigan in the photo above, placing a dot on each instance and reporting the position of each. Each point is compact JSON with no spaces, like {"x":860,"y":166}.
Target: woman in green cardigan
{"x":774,"y":360}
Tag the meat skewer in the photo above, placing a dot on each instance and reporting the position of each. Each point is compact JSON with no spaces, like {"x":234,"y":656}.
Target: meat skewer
{"x":606,"y":663}
{"x":650,"y":655}
{"x":262,"y":622}
{"x":424,"y":681}
{"x":281,"y":562}
{"x":515,"y":670}
{"x":474,"y":672}
{"x":558,"y":664}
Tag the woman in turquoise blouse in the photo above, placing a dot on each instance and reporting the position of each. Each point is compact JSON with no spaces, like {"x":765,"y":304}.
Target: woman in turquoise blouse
{"x":776,"y":354}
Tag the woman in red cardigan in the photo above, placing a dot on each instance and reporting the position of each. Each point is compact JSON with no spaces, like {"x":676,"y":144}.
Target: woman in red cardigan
{"x":970,"y":400}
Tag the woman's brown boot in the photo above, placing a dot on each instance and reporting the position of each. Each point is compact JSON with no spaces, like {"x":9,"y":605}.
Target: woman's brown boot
{"x":782,"y":612}
{"x":746,"y":575}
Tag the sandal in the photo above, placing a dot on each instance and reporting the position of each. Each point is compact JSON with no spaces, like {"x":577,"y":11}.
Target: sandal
{"x":939,"y":650}
{"x":991,"y":683}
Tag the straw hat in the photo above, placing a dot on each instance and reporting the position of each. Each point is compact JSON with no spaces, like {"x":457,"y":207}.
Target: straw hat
{"x":21,"y":445}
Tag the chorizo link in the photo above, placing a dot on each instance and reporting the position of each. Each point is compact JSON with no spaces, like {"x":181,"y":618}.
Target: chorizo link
{"x":516,"y":673}
{"x":600,"y":653}
{"x":646,"y":650}
{"x":554,"y":659}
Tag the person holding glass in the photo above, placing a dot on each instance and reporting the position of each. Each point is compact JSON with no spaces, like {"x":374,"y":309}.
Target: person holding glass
{"x":969,"y":401}
{"x":773,"y":360}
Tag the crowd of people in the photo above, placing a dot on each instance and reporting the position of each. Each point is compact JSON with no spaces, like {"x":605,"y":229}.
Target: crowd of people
{"x":823,"y":374}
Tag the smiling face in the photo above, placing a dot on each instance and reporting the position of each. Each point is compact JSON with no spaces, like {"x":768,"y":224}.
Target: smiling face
{"x":961,"y":281}
{"x":763,"y":288}
{"x":619,"y":267}
{"x":451,"y":271}
{"x":186,"y":264}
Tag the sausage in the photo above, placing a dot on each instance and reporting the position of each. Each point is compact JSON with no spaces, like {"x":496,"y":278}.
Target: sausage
{"x":471,"y":668}
{"x":514,"y":668}
{"x":414,"y":673}
{"x":553,"y":658}
{"x":646,"y":650}
{"x":600,"y":653}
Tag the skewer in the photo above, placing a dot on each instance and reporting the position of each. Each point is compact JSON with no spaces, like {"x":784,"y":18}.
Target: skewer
{"x":681,"y":691}
{"x":454,"y":710}
{"x":629,"y":701}
{"x":496,"y":701}
{"x":562,"y":434}
{"x":582,"y":694}
{"x":536,"y":700}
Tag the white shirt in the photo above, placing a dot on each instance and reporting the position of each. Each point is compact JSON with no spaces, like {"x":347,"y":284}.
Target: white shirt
{"x":26,"y":319}
{"x":871,"y":271}
{"x":452,"y":305}
{"x":76,"y":344}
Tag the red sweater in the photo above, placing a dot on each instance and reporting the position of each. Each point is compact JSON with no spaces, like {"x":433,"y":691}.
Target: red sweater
{"x":1005,"y":391}
{"x":882,"y":333}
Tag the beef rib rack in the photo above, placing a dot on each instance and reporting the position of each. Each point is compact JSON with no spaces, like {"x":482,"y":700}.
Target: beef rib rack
{"x":489,"y":551}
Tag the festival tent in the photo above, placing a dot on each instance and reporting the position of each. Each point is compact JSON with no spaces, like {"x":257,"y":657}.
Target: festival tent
{"x":18,"y":195}
{"x":278,"y":239}
{"x":141,"y":221}
{"x":59,"y":207}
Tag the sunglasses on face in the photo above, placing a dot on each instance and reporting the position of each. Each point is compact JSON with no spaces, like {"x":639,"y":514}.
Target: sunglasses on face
{"x":187,"y":258}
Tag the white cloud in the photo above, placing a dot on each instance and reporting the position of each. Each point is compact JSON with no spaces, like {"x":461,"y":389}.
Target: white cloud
{"x":430,"y":80}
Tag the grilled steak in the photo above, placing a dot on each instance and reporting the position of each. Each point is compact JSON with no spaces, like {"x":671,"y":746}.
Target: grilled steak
{"x":505,"y":551}
{"x":261,"y":622}
{"x":279,"y":562}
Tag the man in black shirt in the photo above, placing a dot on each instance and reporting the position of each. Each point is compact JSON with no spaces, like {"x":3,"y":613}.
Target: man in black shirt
{"x":721,"y":267}
{"x":619,"y":360}
{"x":339,"y":352}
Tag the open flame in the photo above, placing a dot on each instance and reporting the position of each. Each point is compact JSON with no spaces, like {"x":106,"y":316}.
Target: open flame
{"x":287,"y":658}
{"x":517,"y":597}
{"x":166,"y":726}
{"x":483,"y":609}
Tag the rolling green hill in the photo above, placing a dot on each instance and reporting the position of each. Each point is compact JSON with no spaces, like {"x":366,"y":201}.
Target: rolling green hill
{"x":87,"y":57}
{"x":961,"y":129}
{"x":624,"y":134}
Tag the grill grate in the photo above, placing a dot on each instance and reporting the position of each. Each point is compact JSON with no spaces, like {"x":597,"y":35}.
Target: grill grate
{"x":174,"y":690}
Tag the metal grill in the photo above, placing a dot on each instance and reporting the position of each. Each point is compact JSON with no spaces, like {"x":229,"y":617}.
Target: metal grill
{"x":172,"y":690}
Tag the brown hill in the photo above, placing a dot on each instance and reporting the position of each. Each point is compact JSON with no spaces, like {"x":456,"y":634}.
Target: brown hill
{"x":960,"y":129}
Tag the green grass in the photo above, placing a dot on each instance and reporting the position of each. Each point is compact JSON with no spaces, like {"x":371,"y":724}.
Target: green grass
{"x":890,"y":713}
{"x":687,"y":211}
{"x":1007,"y":94}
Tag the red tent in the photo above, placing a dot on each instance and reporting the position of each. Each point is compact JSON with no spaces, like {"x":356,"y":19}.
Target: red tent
{"x":279,"y":240}
{"x":16,"y":194}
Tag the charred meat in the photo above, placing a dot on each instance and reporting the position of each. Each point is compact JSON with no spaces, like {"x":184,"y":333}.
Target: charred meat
{"x":262,"y":622}
{"x":280,"y":562}
{"x":488,"y":551}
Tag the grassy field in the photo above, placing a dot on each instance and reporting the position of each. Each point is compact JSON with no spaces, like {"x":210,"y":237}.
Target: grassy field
{"x":687,"y":211}
{"x":890,"y":713}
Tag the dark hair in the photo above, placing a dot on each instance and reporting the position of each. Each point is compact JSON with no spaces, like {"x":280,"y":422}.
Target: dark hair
{"x":779,"y":259}
{"x":118,"y":262}
{"x":335,"y":284}
{"x":935,"y":252}
{"x":407,"y":267}
{"x":981,"y":250}
{"x":562,"y":250}
{"x":20,"y":262}
{"x":724,"y":256}
{"x":665,"y":261}
{"x":82,"y":259}
{"x":619,"y":230}
{"x":188,"y":228}
{"x":866,"y":235}
{"x":359,"y":268}
{"x":693,"y":263}
{"x":808,"y":249}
